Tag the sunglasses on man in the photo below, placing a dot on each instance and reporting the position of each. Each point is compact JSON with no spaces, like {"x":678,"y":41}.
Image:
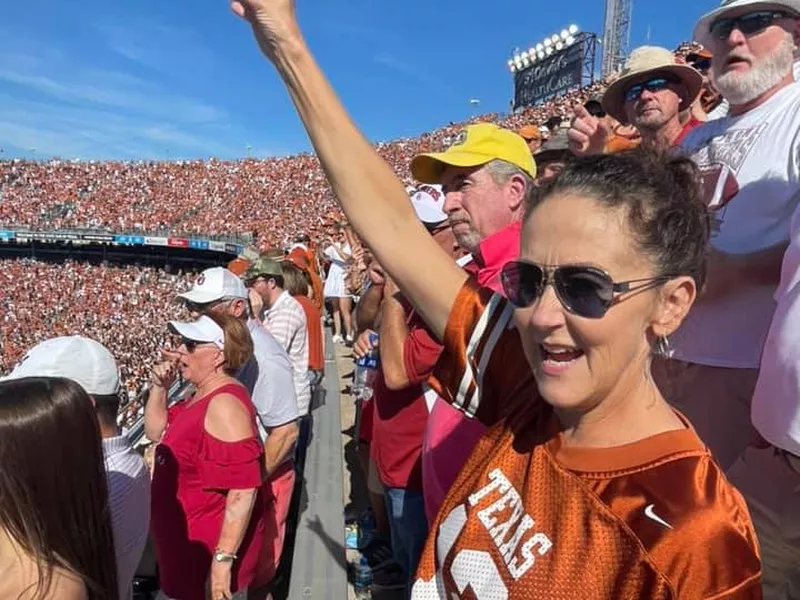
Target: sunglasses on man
{"x":701,"y":64}
{"x":749,"y":24}
{"x":202,"y":307}
{"x":654,"y":85}
{"x":582,"y":290}
{"x":596,"y":111}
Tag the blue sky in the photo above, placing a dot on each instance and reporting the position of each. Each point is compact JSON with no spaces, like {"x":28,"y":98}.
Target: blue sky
{"x":165,"y":80}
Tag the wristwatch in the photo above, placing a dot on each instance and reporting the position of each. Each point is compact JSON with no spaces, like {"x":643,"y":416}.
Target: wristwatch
{"x":222,"y":556}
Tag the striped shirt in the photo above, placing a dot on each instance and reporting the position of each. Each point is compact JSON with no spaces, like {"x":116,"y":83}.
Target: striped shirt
{"x":286,"y":321}
{"x":129,"y":502}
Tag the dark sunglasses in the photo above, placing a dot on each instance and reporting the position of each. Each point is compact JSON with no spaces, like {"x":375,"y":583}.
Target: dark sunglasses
{"x":596,"y":111}
{"x":749,"y":24}
{"x":584,"y":291}
{"x":653,"y":85}
{"x":702,"y":64}
{"x":192,"y":345}
{"x":201,"y":307}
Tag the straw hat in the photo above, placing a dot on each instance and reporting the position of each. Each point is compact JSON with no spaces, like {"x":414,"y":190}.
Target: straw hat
{"x":643,"y":64}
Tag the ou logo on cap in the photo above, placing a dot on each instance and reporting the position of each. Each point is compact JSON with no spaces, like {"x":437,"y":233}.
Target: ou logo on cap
{"x":201,"y":280}
{"x":459,"y":139}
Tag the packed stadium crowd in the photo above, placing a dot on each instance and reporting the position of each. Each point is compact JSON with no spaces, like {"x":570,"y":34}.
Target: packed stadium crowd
{"x":122,"y":307}
{"x":265,"y":198}
{"x":545,"y":392}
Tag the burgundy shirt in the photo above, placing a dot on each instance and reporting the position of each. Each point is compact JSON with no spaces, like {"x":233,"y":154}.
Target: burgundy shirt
{"x":400,"y":416}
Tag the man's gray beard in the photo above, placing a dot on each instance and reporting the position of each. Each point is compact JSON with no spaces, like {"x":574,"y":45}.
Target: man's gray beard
{"x":469,"y":241}
{"x":763,"y":75}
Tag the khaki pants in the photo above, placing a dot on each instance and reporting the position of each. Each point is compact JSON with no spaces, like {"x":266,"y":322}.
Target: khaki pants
{"x":769,"y":480}
{"x":715,"y":400}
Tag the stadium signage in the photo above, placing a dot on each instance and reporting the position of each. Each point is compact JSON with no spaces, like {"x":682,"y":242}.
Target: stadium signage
{"x":178,"y":242}
{"x":550,"y":77}
{"x":129,"y":240}
{"x":25,"y":236}
{"x":155,"y":241}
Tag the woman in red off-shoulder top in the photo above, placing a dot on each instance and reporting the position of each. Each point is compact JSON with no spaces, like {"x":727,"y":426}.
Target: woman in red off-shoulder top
{"x":206,"y":522}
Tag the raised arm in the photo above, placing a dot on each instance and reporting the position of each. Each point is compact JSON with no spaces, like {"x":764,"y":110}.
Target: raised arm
{"x":372,"y":197}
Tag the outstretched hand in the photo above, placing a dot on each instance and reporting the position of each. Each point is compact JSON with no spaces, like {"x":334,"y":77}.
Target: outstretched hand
{"x":587,"y":134}
{"x":274,"y":22}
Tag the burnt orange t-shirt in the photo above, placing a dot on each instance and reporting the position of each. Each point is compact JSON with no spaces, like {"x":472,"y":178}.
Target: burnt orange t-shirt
{"x":530,"y":518}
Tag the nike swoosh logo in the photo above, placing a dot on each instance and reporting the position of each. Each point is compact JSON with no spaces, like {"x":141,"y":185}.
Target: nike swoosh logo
{"x":650,"y":514}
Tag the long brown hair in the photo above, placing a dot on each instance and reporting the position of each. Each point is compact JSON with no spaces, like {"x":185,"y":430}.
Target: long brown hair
{"x":53,"y":492}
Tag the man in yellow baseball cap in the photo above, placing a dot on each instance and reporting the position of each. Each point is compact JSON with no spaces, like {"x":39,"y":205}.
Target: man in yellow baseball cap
{"x":477,"y":145}
{"x":488,"y":177}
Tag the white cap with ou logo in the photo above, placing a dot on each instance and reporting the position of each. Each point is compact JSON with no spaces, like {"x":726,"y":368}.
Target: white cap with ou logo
{"x":84,"y":361}
{"x":205,"y":329}
{"x":214,"y":284}
{"x":428,"y":203}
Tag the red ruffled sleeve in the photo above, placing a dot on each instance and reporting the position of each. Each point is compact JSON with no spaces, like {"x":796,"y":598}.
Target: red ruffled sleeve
{"x":230,"y":465}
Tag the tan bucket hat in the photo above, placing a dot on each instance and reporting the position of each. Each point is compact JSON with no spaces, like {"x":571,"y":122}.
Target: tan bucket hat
{"x":643,"y":64}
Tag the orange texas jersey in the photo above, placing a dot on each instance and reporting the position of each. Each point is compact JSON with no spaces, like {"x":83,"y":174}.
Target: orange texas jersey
{"x":529,"y":517}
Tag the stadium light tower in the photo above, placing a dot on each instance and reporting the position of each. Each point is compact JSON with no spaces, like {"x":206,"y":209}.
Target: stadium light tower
{"x":616,"y":34}
{"x":552,"y":44}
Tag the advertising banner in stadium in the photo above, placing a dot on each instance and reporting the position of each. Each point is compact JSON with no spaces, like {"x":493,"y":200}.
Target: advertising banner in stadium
{"x":84,"y":238}
{"x":100,"y":238}
{"x":198,"y":244}
{"x":551,"y":77}
{"x":129,"y":240}
{"x":53,"y":236}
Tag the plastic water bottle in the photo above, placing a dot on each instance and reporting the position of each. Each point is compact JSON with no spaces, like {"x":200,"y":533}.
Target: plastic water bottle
{"x":365,"y":371}
{"x":363,"y":580}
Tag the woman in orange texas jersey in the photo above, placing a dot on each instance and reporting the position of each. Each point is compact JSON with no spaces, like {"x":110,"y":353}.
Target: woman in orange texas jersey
{"x":588,"y":484}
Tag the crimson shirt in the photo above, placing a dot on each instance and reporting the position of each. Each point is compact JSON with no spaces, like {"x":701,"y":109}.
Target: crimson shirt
{"x":400,"y":416}
{"x":193,"y":472}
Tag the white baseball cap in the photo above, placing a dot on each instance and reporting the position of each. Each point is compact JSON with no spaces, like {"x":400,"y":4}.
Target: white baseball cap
{"x":214,"y":284}
{"x":428,"y":203}
{"x":205,"y":329}
{"x":84,"y":361}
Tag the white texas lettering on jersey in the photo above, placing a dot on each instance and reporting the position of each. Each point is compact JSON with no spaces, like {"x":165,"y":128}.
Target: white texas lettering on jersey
{"x":475,"y":569}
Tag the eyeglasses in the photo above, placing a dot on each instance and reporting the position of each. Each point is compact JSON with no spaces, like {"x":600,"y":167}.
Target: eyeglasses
{"x":582,"y":290}
{"x":749,"y":24}
{"x":653,"y":85}
{"x":702,"y":64}
{"x":251,"y":281}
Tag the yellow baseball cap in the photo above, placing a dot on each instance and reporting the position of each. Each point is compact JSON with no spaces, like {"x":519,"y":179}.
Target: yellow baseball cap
{"x":475,"y":146}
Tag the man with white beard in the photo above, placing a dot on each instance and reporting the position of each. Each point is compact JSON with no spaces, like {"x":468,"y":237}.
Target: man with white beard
{"x":750,"y":167}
